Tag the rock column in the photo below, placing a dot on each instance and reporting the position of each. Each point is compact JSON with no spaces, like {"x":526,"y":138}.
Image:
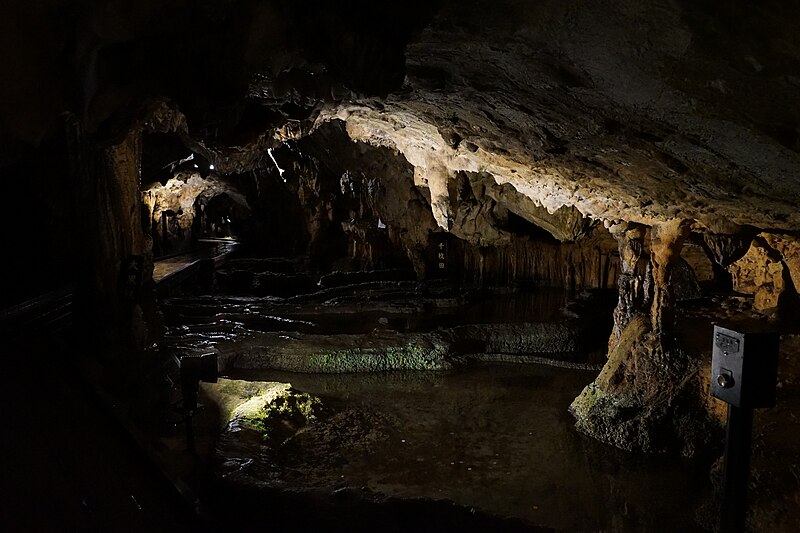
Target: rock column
{"x":646,"y":396}
{"x":633,"y":279}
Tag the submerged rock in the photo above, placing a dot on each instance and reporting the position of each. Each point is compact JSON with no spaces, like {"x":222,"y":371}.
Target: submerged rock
{"x":337,"y":279}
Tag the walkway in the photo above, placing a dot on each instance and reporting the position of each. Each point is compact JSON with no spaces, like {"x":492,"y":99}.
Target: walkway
{"x":218,"y":250}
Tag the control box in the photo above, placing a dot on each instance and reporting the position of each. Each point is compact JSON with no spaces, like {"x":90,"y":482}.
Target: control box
{"x":199,"y":367}
{"x":744,"y":367}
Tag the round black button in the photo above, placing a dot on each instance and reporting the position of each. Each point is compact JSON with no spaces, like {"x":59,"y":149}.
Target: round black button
{"x":725,"y":381}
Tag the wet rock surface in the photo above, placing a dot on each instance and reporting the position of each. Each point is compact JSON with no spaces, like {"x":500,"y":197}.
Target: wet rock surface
{"x":488,"y":441}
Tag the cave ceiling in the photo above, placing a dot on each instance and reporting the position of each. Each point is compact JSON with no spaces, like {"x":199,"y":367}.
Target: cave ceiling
{"x":628,"y":111}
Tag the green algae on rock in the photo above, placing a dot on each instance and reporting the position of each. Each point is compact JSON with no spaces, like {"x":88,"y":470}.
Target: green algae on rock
{"x":274,"y":410}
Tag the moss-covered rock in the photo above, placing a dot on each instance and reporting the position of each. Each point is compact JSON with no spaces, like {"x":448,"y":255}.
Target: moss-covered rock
{"x":274,"y":410}
{"x":384,"y":350}
{"x":417,"y":353}
{"x":277,"y":417}
{"x":645,"y":398}
{"x":621,"y":365}
{"x":376,"y":352}
{"x":230,"y":394}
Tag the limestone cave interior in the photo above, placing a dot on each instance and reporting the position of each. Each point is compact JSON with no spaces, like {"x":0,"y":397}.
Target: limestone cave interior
{"x":396,"y":266}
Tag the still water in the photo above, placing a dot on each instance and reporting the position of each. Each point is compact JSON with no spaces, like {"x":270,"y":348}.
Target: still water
{"x":496,"y":438}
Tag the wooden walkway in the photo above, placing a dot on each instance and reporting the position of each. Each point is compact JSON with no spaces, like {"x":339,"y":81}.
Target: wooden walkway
{"x":164,"y":270}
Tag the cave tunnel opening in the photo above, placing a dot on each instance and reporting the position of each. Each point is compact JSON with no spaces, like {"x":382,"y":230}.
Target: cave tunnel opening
{"x":519,"y":225}
{"x":221,"y":217}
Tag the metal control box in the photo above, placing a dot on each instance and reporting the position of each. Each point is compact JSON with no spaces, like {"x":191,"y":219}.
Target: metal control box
{"x":199,"y":367}
{"x":744,"y":367}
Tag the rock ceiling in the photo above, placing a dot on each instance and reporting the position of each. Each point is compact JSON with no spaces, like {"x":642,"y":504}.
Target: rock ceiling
{"x":628,"y":111}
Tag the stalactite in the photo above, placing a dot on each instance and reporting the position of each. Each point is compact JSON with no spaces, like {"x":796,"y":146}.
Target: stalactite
{"x":666,"y":241}
{"x":587,"y":264}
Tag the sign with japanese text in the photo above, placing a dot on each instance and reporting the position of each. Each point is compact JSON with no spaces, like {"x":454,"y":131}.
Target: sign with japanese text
{"x":438,"y":256}
{"x":131,"y":276}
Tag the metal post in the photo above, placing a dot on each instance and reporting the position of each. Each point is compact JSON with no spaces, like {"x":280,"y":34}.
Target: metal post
{"x":736,"y":469}
{"x":189,"y":435}
{"x":189,"y":388}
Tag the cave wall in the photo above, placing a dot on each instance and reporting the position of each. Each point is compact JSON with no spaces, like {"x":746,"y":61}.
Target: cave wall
{"x":768,"y":271}
{"x":40,"y":222}
{"x":365,"y":198}
{"x":116,"y":301}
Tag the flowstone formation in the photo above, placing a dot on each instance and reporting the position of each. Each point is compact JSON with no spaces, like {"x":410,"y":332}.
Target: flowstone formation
{"x":651,"y":394}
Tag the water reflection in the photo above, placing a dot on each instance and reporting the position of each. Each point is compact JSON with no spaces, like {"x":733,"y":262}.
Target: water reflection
{"x":497,"y":438}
